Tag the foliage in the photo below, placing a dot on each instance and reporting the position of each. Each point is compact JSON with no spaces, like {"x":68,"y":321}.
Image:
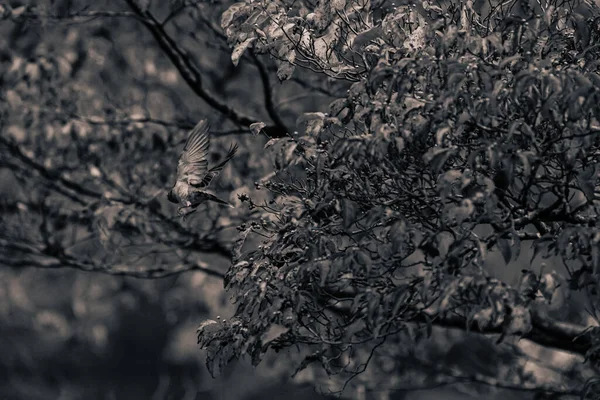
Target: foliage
{"x":469,"y":128}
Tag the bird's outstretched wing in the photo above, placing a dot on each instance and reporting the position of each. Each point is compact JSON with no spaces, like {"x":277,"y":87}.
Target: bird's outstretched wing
{"x":193,"y":161}
{"x":216,"y":170}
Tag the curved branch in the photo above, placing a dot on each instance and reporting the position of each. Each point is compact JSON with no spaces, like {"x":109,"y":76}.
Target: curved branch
{"x":268,"y":93}
{"x":191,"y":74}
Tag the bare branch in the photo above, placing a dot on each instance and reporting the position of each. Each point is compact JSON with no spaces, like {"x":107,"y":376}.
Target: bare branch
{"x":268,"y":93}
{"x":93,"y":120}
{"x":147,"y":273}
{"x":46,"y":173}
{"x":190,"y":72}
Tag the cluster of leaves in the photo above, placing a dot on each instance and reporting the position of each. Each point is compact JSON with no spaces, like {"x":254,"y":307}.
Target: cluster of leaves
{"x":466,"y":129}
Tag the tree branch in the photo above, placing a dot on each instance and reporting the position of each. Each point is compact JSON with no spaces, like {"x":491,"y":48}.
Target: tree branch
{"x":546,"y":332}
{"x":53,"y":179}
{"x":14,"y":149}
{"x":94,"y":120}
{"x":191,"y":74}
{"x":149,"y":273}
{"x":268,"y":93}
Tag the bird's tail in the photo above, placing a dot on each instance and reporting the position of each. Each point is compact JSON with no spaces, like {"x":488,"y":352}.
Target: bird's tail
{"x":212,"y":197}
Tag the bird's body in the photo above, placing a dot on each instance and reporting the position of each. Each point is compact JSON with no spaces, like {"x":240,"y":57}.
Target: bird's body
{"x":193,"y":175}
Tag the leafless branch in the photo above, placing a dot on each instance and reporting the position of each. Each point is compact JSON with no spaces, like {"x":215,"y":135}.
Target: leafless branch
{"x":190,"y":72}
{"x":145,"y":273}
{"x":268,"y":92}
{"x":93,"y":120}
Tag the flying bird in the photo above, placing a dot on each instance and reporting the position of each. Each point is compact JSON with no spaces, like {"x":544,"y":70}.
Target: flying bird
{"x":193,"y":175}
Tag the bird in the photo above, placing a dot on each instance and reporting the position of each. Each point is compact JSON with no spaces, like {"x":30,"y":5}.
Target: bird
{"x":193,"y":174}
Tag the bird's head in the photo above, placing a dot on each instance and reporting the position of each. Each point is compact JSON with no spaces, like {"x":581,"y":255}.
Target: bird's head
{"x":171,"y":196}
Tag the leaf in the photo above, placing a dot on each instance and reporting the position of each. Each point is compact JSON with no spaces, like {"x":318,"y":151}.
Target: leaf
{"x":385,"y":250}
{"x":324,"y":267}
{"x":239,"y":50}
{"x":549,"y":14}
{"x":523,"y":156}
{"x":520,"y":321}
{"x":143,"y":5}
{"x":587,"y":182}
{"x":338,"y":5}
{"x":314,"y":122}
{"x":528,"y":284}
{"x":549,"y":282}
{"x":285,"y":70}
{"x":207,"y":326}
{"x":306,"y":117}
{"x":582,"y":32}
{"x":516,"y":246}
{"x":402,"y":294}
{"x":273,"y":333}
{"x":440,"y":134}
{"x":504,"y":246}
{"x":239,"y":243}
{"x":373,"y":308}
{"x":397,"y":235}
{"x":484,"y":318}
{"x":229,"y":14}
{"x":336,"y":106}
{"x":256,"y":127}
{"x":438,"y":156}
{"x":348,"y":213}
{"x":595,"y":258}
{"x":456,"y":81}
{"x":365,"y":37}
{"x":538,"y":245}
{"x":482,"y":250}
{"x":399,"y":143}
{"x":271,"y":143}
{"x":363,"y":259}
{"x":509,"y":60}
{"x":416,"y":40}
{"x":18,"y":11}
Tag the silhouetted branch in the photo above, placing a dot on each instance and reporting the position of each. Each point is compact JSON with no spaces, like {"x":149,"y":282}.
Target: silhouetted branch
{"x":146,"y":273}
{"x":99,"y":121}
{"x":174,"y":13}
{"x":190,"y":73}
{"x":31,"y":14}
{"x":268,"y":93}
{"x":546,"y":331}
{"x":48,"y":174}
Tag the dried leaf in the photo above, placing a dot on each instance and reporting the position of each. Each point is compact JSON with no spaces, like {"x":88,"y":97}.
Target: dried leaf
{"x":256,"y":127}
{"x":505,"y":250}
{"x":239,"y":50}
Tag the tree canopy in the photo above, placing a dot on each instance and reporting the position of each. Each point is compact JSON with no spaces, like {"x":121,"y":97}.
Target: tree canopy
{"x":470,"y":127}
